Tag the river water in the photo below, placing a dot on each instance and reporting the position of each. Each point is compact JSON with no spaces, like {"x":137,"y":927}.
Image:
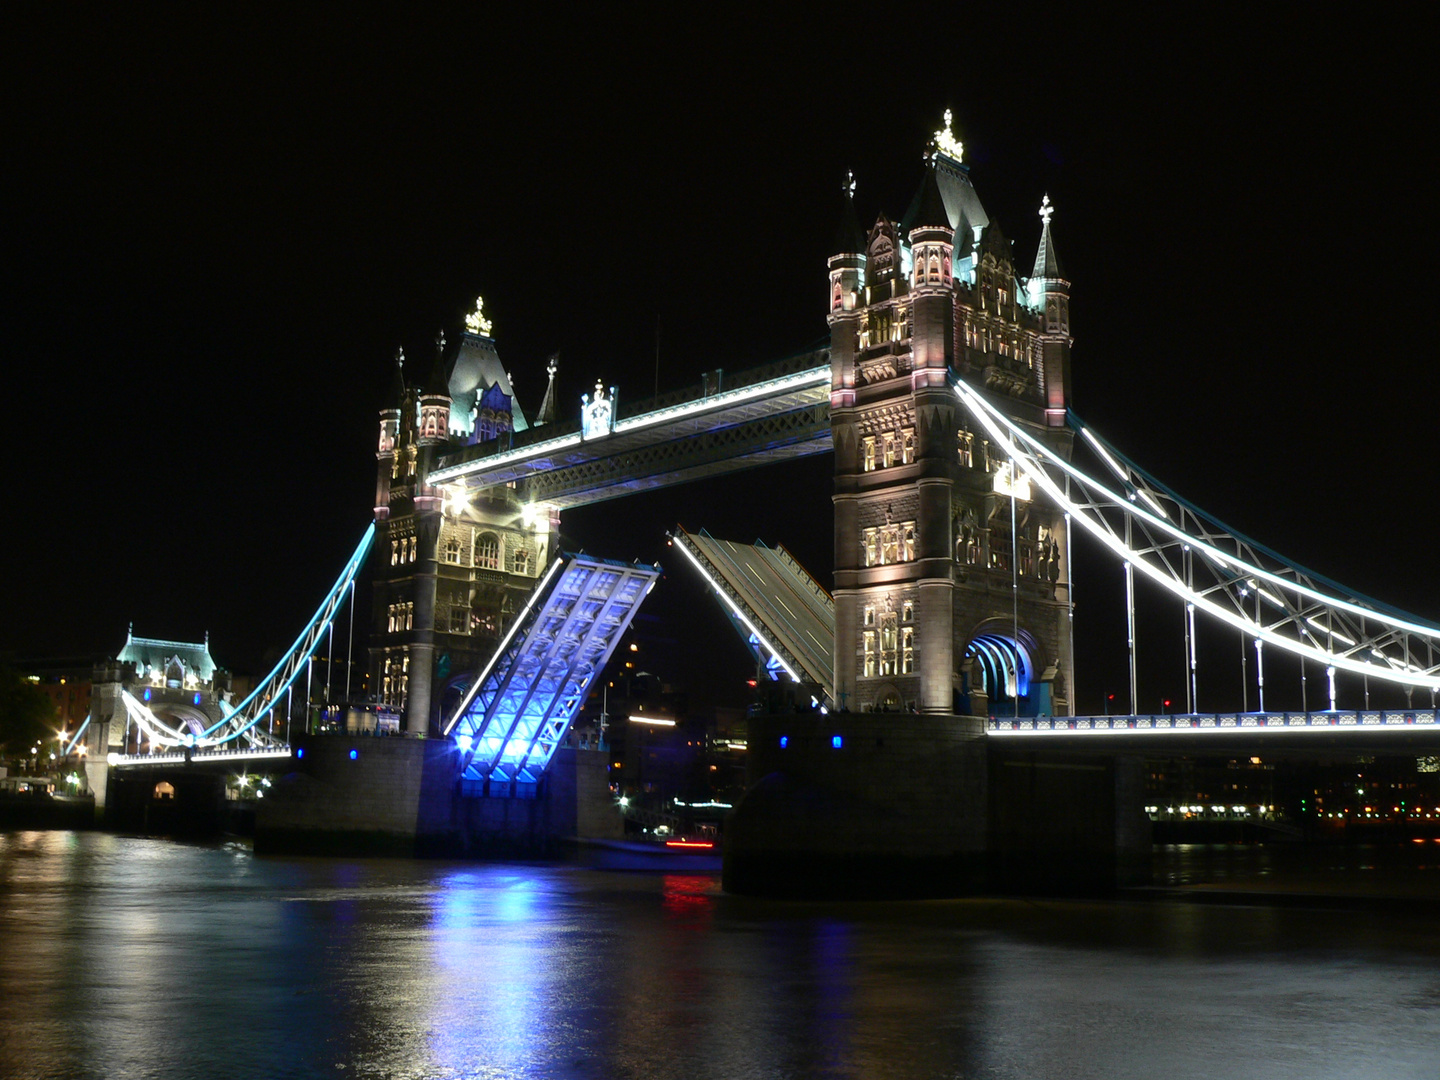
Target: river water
{"x":127,"y":957}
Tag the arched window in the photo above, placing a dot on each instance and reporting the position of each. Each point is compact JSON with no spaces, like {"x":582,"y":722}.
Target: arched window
{"x":522,"y":562}
{"x":452,"y":550}
{"x":487,"y":552}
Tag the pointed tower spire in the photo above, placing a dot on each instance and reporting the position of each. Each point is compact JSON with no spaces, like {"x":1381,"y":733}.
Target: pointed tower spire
{"x":1047,"y":263}
{"x":546,"y":415}
{"x":397,"y":388}
{"x":847,"y":258}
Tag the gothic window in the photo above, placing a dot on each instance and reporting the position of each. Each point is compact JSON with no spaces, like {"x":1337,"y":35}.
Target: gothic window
{"x":886,"y":544}
{"x":870,"y":657}
{"x":452,"y":550}
{"x":889,"y":545}
{"x":907,"y":650}
{"x":410,"y":464}
{"x":887,"y":644}
{"x":867,"y":459}
{"x":459,"y":620}
{"x":934,"y":272}
{"x":1027,"y":560}
{"x":907,"y":611}
{"x":836,"y":300}
{"x":413,"y":544}
{"x":522,"y":562}
{"x":487,"y":552}
{"x":967,"y":449}
{"x":889,"y":449}
{"x":907,"y":445}
{"x":869,"y":615}
{"x":394,"y":552}
{"x":945,"y":268}
{"x":390,"y":626}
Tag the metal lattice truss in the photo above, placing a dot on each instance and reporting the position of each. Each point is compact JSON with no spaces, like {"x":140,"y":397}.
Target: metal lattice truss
{"x":707,"y":452}
{"x":240,"y":725}
{"x":1214,"y":569}
{"x":779,"y":610}
{"x":516,"y":713}
{"x":783,"y":414}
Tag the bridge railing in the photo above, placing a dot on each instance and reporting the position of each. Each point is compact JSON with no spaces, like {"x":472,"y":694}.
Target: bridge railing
{"x":1205,"y":723}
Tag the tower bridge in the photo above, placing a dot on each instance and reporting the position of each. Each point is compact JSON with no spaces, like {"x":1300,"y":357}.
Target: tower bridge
{"x":942,"y":655}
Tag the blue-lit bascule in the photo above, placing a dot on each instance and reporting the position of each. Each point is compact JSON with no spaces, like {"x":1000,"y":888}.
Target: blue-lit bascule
{"x":245,"y":729}
{"x":1217,"y":571}
{"x":516,"y":713}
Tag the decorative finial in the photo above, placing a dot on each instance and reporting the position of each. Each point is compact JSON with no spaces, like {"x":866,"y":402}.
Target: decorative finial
{"x":440,"y":341}
{"x":1046,"y":210}
{"x":476,"y":322}
{"x":553,"y":366}
{"x":400,"y":359}
{"x":945,"y":141}
{"x":850,"y":183}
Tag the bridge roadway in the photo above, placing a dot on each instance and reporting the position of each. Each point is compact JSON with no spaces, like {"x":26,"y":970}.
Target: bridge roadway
{"x":1365,"y":731}
{"x":729,"y":422}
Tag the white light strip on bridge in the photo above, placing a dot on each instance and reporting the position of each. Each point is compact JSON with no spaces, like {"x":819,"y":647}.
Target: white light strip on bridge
{"x":196,"y":757}
{"x":1221,"y":558}
{"x":998,"y":426}
{"x":800,"y":380}
{"x":774,"y":652}
{"x":1216,"y":724}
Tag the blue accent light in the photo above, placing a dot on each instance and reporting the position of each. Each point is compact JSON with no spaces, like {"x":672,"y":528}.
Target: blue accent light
{"x":836,"y":741}
{"x":784,"y":741}
{"x":463,"y":741}
{"x":146,"y":695}
{"x":354,"y":754}
{"x":300,"y":752}
{"x":197,"y":697}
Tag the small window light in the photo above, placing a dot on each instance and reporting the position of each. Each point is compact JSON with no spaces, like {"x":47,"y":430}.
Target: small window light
{"x":836,"y":741}
{"x":354,"y":754}
{"x":300,"y":751}
{"x":784,"y":741}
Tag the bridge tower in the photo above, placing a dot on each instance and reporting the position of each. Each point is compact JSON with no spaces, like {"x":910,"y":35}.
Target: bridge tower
{"x":447,"y":573}
{"x":951,"y":582}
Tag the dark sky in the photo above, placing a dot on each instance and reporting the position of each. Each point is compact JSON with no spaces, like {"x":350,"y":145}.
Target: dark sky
{"x":219,"y":228}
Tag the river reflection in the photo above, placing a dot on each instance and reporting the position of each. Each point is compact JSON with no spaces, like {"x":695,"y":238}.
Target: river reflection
{"x":125,"y":957}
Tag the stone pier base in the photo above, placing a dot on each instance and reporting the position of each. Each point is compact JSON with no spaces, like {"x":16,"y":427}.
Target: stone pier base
{"x":877,"y":805}
{"x":359,"y":795}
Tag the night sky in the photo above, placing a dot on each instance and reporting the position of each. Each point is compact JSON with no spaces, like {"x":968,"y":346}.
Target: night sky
{"x":218,"y":230}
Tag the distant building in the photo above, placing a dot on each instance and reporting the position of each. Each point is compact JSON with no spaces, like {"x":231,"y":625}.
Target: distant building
{"x":448,"y":575}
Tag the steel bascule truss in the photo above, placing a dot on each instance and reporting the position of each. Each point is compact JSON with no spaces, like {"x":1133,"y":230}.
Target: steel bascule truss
{"x":1212,"y":568}
{"x":780,"y":611}
{"x":516,"y":713}
{"x":240,"y":726}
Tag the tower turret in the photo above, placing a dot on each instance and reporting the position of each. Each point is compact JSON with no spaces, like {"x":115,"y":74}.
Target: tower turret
{"x":385,"y":468}
{"x":1050,"y":295}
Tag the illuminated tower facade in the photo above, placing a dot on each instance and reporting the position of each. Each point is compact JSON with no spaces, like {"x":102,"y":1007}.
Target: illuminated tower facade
{"x":448,"y":571}
{"x":951,"y":582}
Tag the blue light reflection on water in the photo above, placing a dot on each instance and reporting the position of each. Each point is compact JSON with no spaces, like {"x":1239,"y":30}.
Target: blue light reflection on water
{"x":122,"y":957}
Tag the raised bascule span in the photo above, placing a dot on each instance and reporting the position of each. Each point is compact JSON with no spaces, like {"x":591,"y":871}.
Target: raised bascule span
{"x":516,"y":713}
{"x":783,"y":614}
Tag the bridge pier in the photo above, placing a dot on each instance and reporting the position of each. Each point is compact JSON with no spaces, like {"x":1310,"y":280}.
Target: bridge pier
{"x":363,"y":795}
{"x":901,"y":805}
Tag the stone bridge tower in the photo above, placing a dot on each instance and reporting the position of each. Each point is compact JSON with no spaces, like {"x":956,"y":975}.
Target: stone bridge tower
{"x":951,"y":581}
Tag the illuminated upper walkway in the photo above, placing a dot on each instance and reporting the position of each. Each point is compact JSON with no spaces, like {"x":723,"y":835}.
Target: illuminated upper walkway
{"x":729,"y":422}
